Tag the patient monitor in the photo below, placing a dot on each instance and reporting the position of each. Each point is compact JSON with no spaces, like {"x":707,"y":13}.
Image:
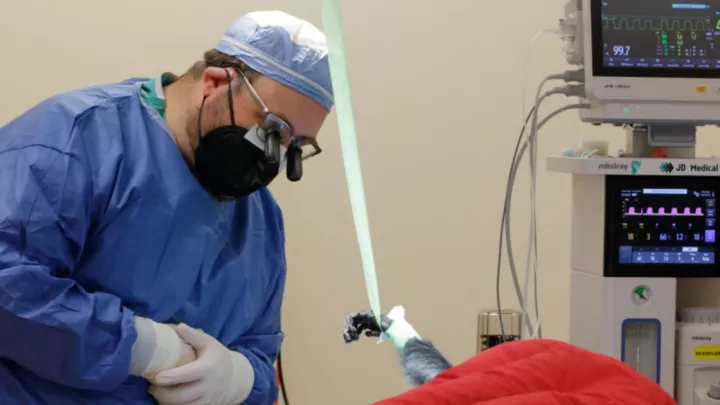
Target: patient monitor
{"x":651,"y":61}
{"x":646,"y":218}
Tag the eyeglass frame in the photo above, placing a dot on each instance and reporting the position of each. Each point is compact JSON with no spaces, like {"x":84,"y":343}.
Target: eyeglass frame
{"x":278,"y":124}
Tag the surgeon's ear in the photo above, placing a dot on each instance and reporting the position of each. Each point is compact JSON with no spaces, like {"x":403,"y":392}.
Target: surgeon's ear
{"x":213,"y":78}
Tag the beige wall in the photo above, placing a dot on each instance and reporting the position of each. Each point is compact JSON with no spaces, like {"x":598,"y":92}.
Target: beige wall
{"x":436,"y":86}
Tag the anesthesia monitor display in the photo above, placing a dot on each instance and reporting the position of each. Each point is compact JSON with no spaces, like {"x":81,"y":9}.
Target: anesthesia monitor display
{"x":661,"y":38}
{"x":661,"y":225}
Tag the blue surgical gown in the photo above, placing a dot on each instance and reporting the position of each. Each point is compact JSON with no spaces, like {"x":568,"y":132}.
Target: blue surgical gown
{"x":100,"y":219}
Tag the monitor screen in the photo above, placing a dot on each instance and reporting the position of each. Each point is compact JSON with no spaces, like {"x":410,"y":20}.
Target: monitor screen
{"x":656,"y":38}
{"x":663,"y":222}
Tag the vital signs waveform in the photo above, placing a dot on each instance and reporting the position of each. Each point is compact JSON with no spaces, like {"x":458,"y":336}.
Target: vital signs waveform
{"x":664,"y":24}
{"x":649,"y":212}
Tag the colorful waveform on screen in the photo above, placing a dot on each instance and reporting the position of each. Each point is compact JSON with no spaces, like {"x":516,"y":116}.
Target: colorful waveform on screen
{"x":662,"y":212}
{"x":658,"y":24}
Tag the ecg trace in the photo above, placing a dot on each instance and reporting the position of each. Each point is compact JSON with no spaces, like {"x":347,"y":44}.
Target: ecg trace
{"x":665,"y":24}
{"x":649,"y":212}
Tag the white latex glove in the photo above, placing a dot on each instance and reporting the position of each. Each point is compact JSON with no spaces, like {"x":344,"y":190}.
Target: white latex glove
{"x":219,"y":376}
{"x":157,"y":347}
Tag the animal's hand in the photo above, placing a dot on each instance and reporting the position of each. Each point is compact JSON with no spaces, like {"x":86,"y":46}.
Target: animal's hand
{"x":359,"y":322}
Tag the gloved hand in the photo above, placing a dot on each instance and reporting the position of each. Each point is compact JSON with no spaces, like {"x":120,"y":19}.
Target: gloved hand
{"x":157,"y":347}
{"x":359,"y":322}
{"x":219,"y":376}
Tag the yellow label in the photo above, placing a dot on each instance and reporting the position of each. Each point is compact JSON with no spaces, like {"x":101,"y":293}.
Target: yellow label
{"x":701,"y":89}
{"x":707,"y":353}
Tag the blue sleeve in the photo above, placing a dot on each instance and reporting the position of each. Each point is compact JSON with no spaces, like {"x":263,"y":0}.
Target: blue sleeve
{"x":262,"y":344}
{"x":49,"y":325}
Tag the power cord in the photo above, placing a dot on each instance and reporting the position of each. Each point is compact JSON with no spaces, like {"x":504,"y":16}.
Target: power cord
{"x":568,"y":76}
{"x":282,"y":379}
{"x":570,"y":90}
{"x":532,"y":254}
{"x":502,"y":225}
{"x":506,"y":210}
{"x":506,"y":222}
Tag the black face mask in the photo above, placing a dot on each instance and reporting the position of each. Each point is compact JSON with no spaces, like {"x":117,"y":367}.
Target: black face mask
{"x":227,"y":164}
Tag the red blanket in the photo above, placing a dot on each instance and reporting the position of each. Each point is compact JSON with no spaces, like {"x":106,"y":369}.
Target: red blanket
{"x":542,"y":372}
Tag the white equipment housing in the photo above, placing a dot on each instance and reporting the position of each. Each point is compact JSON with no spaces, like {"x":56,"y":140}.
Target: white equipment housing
{"x":632,"y":316}
{"x":654,"y":67}
{"x":644,"y":219}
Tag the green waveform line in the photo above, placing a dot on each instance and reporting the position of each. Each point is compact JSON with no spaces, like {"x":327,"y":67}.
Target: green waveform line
{"x":649,"y":25}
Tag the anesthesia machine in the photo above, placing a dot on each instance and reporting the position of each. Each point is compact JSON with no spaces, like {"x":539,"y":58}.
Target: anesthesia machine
{"x":647,"y":217}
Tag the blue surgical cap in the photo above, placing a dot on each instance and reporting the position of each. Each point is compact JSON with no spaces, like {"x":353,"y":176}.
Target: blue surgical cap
{"x":284,"y":48}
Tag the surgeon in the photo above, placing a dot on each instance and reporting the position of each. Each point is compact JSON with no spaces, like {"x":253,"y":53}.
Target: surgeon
{"x":141,"y":255}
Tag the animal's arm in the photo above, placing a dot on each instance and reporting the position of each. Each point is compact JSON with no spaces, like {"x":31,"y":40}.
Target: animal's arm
{"x":420,"y":360}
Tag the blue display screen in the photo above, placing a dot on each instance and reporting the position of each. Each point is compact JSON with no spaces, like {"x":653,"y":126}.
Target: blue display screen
{"x":667,"y":226}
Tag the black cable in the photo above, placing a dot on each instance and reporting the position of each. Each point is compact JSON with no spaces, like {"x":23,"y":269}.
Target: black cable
{"x":282,"y":379}
{"x":502,"y":225}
